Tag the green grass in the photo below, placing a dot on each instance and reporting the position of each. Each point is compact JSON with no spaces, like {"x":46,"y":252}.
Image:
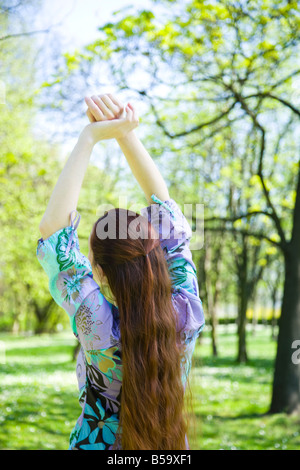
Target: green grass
{"x":38,"y":393}
{"x":231,"y":401}
{"x":39,"y":403}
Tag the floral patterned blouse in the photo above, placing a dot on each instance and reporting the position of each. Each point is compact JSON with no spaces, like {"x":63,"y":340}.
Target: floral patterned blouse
{"x":95,"y":321}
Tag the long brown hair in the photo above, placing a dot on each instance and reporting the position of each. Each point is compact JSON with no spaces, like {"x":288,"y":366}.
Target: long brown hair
{"x":152,"y":395}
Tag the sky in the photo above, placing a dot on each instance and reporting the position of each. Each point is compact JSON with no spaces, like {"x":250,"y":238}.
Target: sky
{"x":79,"y":19}
{"x":74,"y":24}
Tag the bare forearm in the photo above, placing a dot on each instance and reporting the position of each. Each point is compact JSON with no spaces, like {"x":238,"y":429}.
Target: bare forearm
{"x":65,"y":195}
{"x":143,"y":167}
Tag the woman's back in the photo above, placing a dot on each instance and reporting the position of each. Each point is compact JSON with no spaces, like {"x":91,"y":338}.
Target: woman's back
{"x":96,"y":321}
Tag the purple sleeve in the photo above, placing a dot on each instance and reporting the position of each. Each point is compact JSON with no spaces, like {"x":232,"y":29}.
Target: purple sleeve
{"x":69,"y":271}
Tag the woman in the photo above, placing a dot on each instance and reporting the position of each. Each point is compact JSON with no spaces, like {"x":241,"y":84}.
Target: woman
{"x":137,"y":340}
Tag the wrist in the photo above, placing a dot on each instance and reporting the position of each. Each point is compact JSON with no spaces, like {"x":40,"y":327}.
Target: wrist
{"x":126,"y":137}
{"x":87,"y":138}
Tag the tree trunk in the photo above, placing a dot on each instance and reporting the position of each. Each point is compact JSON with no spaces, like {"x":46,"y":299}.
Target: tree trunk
{"x":286,"y":384}
{"x":42,"y":316}
{"x":212,"y":311}
{"x":273,"y":319}
{"x":242,"y":322}
{"x":213,"y":318}
{"x":242,"y":303}
{"x":212,"y":265}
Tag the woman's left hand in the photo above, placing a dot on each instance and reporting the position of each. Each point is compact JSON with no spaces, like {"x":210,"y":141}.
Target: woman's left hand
{"x":104,"y":107}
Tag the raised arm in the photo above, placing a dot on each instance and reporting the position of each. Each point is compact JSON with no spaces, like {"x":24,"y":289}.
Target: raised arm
{"x":145,"y":171}
{"x":143,"y":167}
{"x":65,"y":195}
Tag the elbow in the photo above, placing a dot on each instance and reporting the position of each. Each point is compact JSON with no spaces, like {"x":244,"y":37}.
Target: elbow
{"x":42,"y":224}
{"x":43,"y":228}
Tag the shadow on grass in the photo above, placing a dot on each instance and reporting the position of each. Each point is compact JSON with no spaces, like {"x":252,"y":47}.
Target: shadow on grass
{"x":16,"y":369}
{"x":229,"y":361}
{"x":247,"y":431}
{"x":38,"y":419}
{"x":260,"y":369}
{"x":238,"y":417}
{"x":36,"y":359}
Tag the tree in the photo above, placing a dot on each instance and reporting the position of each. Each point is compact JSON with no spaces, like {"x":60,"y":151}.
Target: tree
{"x":274,"y":284}
{"x":29,"y":167}
{"x":23,"y":158}
{"x":210,"y":67}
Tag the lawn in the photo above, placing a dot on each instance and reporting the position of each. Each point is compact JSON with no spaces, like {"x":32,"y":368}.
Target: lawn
{"x":39,"y":403}
{"x":231,"y":401}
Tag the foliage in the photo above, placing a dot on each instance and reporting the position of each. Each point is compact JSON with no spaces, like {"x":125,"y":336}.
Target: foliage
{"x":25,"y":172}
{"x":29,"y":167}
{"x":232,"y":73}
{"x":232,"y":63}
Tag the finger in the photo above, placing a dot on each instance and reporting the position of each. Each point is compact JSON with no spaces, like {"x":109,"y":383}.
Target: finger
{"x":90,"y":116}
{"x":116,"y":101}
{"x":128,"y":112}
{"x":134,"y":113}
{"x":115,"y":109}
{"x":96,"y":112}
{"x":105,"y":110}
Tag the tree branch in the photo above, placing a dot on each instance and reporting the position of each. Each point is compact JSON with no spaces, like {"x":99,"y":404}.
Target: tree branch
{"x":273,"y":97}
{"x":11,"y":8}
{"x":28,"y":33}
{"x":241,"y":216}
{"x":259,"y":236}
{"x":266,"y":192}
{"x":38,"y":31}
{"x":193,"y":129}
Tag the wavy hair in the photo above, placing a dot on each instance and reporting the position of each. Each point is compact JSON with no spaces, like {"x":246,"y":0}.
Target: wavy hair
{"x":127,"y":248}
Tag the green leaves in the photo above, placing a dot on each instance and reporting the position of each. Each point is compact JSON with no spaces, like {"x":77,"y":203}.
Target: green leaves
{"x":72,"y":60}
